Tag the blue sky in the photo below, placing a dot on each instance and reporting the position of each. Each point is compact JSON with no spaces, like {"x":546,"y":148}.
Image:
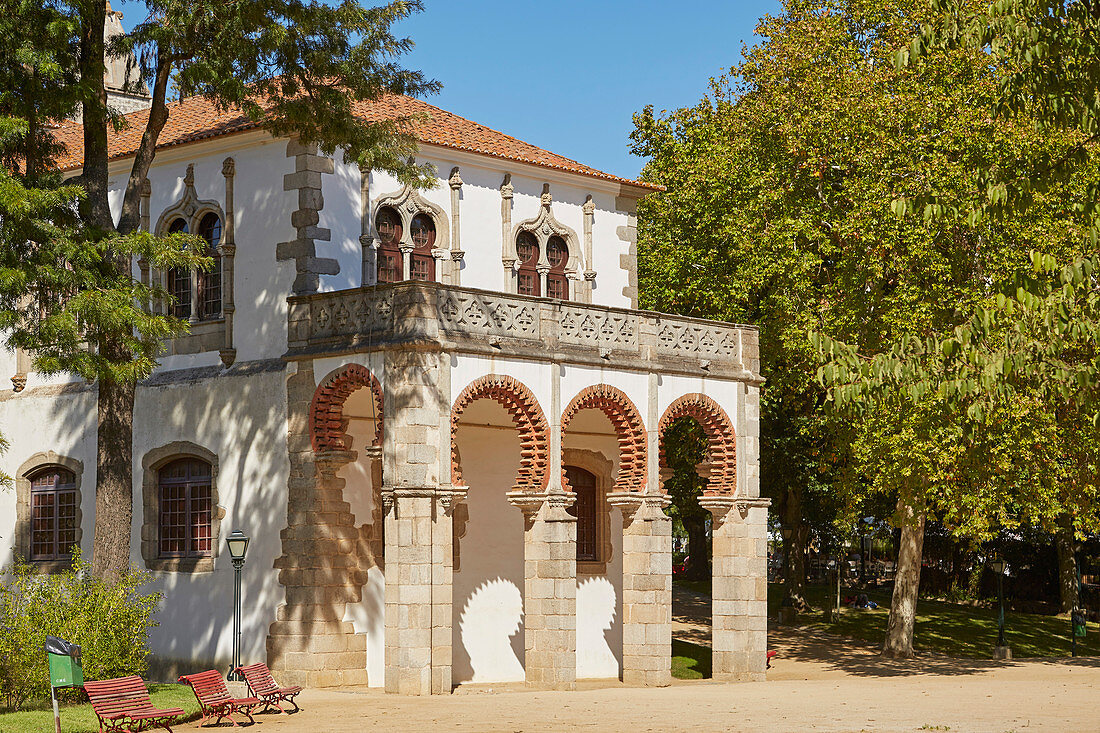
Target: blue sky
{"x":567,"y":75}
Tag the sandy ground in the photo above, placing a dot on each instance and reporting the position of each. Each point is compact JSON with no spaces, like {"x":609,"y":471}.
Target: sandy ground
{"x":817,"y":683}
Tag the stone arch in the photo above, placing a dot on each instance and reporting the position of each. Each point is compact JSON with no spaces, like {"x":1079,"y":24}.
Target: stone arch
{"x":629,"y":430}
{"x":721,"y":439}
{"x":326,"y":417}
{"x":534,"y":433}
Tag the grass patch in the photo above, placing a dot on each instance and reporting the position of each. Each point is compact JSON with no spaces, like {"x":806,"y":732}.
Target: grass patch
{"x":81,"y":718}
{"x":948,"y":628}
{"x":690,"y":661}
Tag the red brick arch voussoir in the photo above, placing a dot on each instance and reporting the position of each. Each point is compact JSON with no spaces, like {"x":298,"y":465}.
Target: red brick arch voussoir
{"x":721,"y":439}
{"x":326,"y":412}
{"x":629,"y":429}
{"x":530,"y":422}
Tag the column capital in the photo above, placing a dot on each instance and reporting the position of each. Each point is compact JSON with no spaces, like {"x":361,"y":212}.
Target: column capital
{"x":722,"y":506}
{"x":531,"y":504}
{"x":448,"y":496}
{"x":643,"y":507}
{"x":331,"y":461}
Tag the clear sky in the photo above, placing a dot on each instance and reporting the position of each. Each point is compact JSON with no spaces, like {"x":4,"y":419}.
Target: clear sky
{"x":567,"y":75}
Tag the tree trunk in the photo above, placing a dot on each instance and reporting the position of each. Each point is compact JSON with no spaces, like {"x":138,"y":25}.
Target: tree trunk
{"x":795,"y":549}
{"x":903,"y":604}
{"x":1066,"y":545}
{"x":698,"y":566}
{"x":114,"y":500}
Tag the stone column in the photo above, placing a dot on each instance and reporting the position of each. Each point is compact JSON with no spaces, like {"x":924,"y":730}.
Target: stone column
{"x":549,"y":589}
{"x":454,"y":265}
{"x":585,"y":288}
{"x":228,"y":250}
{"x":739,"y":594}
{"x":647,"y":589}
{"x":507,"y":245}
{"x":419,"y":506}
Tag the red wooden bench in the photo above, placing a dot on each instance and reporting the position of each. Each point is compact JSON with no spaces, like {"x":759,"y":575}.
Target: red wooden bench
{"x":263,"y":686}
{"x":215,"y":700}
{"x":123,"y":705}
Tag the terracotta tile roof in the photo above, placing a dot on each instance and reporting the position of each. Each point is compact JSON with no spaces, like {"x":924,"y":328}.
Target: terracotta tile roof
{"x":196,"y":118}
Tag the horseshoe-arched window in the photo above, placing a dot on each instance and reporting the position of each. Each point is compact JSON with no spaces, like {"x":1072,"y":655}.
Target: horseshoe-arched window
{"x":527,"y":251}
{"x":388,"y":224}
{"x":557,"y":253}
{"x":422,"y":262}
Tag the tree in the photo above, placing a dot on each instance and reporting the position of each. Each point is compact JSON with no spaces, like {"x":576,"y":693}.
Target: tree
{"x":788,"y":206}
{"x":297,"y":68}
{"x":1014,"y":391}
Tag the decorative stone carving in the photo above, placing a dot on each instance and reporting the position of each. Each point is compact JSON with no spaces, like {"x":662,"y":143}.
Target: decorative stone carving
{"x":598,"y":328}
{"x":468,"y":313}
{"x":456,"y":254}
{"x":721,"y":440}
{"x":408,"y":202}
{"x":545,"y":226}
{"x":589,"y":210}
{"x":359,"y":312}
{"x":695,"y":339}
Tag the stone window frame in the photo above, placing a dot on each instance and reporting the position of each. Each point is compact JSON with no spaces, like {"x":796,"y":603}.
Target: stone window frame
{"x":407,"y":202}
{"x":597,"y":464}
{"x":24,"y":511}
{"x":192,"y":210}
{"x":544,"y":226}
{"x":151,"y":463}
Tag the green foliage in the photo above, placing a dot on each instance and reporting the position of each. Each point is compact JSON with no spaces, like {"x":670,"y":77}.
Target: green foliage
{"x":685,"y":449}
{"x":782,"y":210}
{"x":1011,"y":396}
{"x":110,"y":622}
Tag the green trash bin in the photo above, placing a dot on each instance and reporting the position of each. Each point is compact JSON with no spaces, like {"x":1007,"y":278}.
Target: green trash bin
{"x":65,"y":669}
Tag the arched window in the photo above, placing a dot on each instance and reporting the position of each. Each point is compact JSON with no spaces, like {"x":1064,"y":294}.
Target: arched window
{"x":186,"y":509}
{"x":210,"y":283}
{"x":388,"y":224}
{"x":54,"y":509}
{"x":527,"y":250}
{"x":422,"y":263}
{"x":584,"y":509}
{"x":179,"y":278}
{"x":557,"y":286}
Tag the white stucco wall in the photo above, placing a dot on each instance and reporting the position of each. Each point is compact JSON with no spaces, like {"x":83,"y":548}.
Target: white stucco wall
{"x":242,"y":420}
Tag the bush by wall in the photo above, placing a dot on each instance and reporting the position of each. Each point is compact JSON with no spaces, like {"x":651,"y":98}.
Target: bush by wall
{"x":110,"y":622}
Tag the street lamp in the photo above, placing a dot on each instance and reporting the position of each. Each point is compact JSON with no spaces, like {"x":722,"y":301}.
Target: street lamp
{"x":997,"y":565}
{"x":238,"y":546}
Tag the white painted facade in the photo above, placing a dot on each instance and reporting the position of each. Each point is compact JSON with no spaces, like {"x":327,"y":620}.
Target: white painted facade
{"x":247,"y":414}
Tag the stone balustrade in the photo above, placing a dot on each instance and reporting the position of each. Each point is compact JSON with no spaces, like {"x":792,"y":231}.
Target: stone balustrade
{"x":486,"y":322}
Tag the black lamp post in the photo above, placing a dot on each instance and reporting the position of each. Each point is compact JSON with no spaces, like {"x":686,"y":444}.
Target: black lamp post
{"x":238,"y":546}
{"x":786,"y":532}
{"x":997,"y":565}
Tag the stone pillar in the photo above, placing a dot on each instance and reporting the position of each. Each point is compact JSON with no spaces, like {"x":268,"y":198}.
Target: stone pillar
{"x":419,"y":506}
{"x":507,"y":244}
{"x":455,"y":256}
{"x":549,"y":589}
{"x":647,"y":589}
{"x":739,"y":593}
{"x":584,"y":288}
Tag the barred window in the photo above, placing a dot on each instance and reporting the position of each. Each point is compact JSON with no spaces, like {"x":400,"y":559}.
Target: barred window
{"x":527,"y":278}
{"x":179,"y":278}
{"x":422,"y":262}
{"x":390,"y":266}
{"x":186,"y":508}
{"x":584,"y":509}
{"x":557,"y":286}
{"x":210,"y":283}
{"x":54,"y":506}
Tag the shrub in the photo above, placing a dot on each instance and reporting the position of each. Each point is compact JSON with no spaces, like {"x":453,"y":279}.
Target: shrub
{"x":110,"y":623}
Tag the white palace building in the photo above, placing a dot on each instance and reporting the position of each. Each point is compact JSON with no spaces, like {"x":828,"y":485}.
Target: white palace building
{"x":438,"y":413}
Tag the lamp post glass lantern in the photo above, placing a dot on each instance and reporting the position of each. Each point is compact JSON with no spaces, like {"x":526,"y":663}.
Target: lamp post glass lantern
{"x":238,"y":547}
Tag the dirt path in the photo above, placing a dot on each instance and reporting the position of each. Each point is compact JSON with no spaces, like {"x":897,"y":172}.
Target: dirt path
{"x":818,"y":683}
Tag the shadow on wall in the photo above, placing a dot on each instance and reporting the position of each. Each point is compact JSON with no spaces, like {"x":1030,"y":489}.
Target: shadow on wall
{"x":240,"y":416}
{"x":596,"y":605}
{"x":492,"y":618}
